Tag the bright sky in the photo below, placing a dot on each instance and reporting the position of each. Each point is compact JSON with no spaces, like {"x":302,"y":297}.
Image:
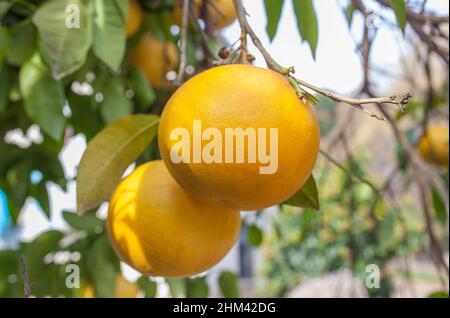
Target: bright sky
{"x":337,"y":68}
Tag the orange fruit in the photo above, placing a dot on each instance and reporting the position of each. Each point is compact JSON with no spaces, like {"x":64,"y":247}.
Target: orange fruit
{"x":134,"y":19}
{"x":254,"y":100}
{"x":221,"y":13}
{"x":123,"y":289}
{"x":160,"y":230}
{"x":155,"y":58}
{"x":433,"y":147}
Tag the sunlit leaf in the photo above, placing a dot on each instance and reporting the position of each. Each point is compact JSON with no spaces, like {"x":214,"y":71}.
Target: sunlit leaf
{"x":109,"y":32}
{"x":108,"y":155}
{"x":177,"y":286}
{"x":66,"y":39}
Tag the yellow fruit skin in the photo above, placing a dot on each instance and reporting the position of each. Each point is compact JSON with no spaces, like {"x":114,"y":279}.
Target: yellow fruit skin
{"x":434,"y":145}
{"x":155,"y":59}
{"x":134,"y":19}
{"x":160,"y":230}
{"x":222,"y":15}
{"x":243,"y":96}
{"x":124,"y":289}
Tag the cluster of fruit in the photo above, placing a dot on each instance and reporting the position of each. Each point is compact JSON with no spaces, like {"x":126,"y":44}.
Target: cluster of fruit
{"x":176,"y":218}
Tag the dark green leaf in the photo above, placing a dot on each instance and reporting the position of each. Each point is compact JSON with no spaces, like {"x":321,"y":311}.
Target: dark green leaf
{"x":229,"y":284}
{"x":307,"y":23}
{"x":88,"y":222}
{"x":5,"y":42}
{"x":439,"y":206}
{"x":254,"y":235}
{"x":109,"y":32}
{"x":22,"y":45}
{"x":115,"y":104}
{"x":273,"y":13}
{"x":103,"y":267}
{"x":148,"y":286}
{"x":66,"y":39}
{"x":44,"y":97}
{"x":143,"y":92}
{"x":399,"y":7}
{"x":85,"y":118}
{"x":108,"y":155}
{"x":4,"y":90}
{"x":197,"y":288}
{"x":306,"y":197}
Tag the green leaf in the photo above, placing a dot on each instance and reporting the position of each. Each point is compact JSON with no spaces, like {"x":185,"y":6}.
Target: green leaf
{"x":349,"y":12}
{"x":177,"y":286}
{"x":115,"y":104}
{"x":109,"y":32}
{"x":438,"y":294}
{"x":399,"y":7}
{"x":88,"y":222}
{"x":4,"y":7}
{"x":143,"y":92}
{"x":22,"y":45}
{"x":103,"y":266}
{"x":306,"y":197}
{"x":197,"y":288}
{"x":254,"y":235}
{"x":380,"y":209}
{"x":85,"y":119}
{"x":44,"y":97}
{"x":40,"y":194}
{"x":439,"y":206}
{"x":229,"y":284}
{"x":273,"y":13}
{"x":4,"y":90}
{"x":108,"y":155}
{"x":307,"y":23}
{"x":149,"y":287}
{"x":5,"y":42}
{"x":66,"y":39}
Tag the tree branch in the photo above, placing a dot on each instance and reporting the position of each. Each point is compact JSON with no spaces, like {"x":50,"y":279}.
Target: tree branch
{"x":287,"y":71}
{"x":183,"y":40}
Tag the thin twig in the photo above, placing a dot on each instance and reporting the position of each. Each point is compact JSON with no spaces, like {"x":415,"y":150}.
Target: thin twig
{"x":356,"y":102}
{"x":352,"y":175}
{"x":26,"y":280}
{"x":183,"y":40}
{"x":273,"y":65}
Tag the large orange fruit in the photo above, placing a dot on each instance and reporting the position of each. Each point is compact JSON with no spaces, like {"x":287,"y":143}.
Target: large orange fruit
{"x":250,"y":100}
{"x":155,"y":58}
{"x":434,"y":145}
{"x":161,"y":230}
